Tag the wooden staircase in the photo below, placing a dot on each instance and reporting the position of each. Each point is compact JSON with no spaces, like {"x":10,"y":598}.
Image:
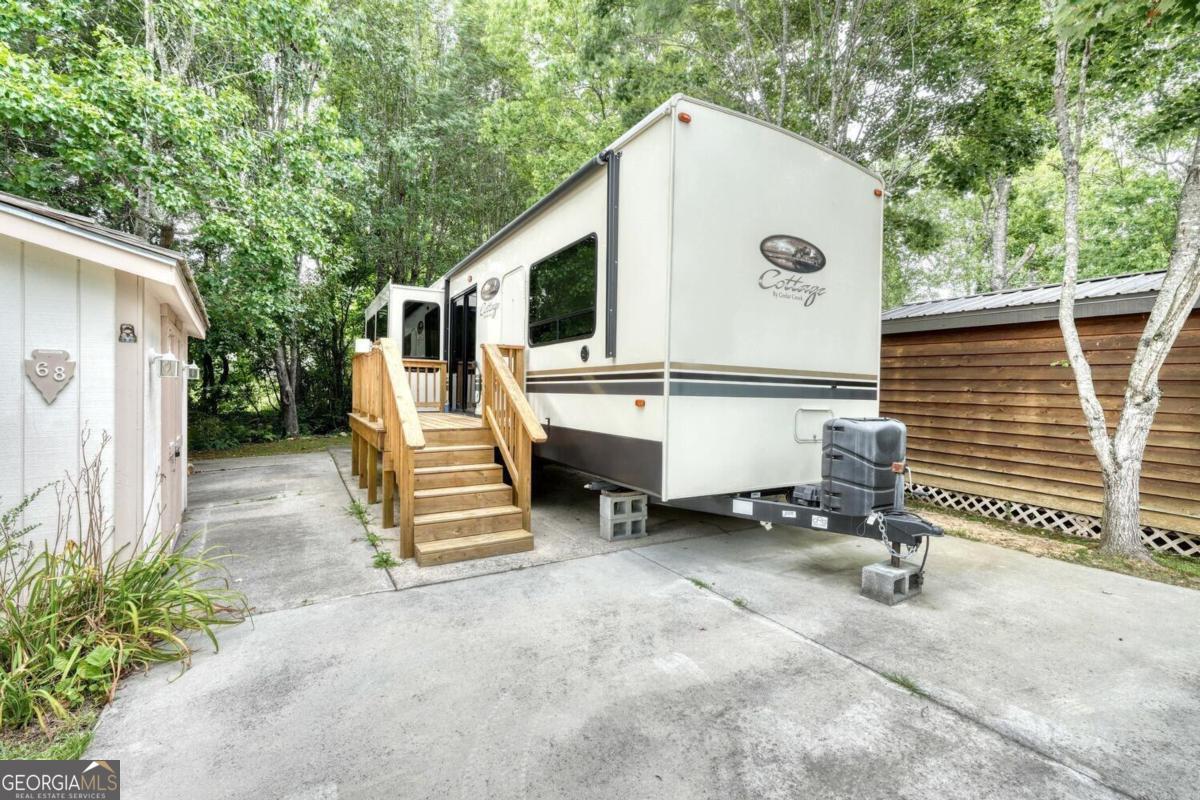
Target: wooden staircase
{"x":445,"y":473}
{"x":462,"y":506}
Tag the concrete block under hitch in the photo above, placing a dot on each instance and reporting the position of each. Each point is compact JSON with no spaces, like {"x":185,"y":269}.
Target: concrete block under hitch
{"x":889,"y":584}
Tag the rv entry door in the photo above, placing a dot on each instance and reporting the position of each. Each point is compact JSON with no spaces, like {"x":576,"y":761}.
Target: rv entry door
{"x":461,"y":351}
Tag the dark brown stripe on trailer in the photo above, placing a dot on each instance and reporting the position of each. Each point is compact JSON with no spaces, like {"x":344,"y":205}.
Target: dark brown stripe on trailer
{"x":614,"y":376}
{"x":826,"y":381}
{"x":625,"y":460}
{"x":827,"y":392}
{"x":835,"y":377}
{"x":597,"y":387}
{"x":589,"y":370}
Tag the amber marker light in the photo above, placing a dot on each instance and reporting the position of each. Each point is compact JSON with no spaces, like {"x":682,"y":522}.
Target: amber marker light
{"x":685,"y":117}
{"x":879,"y":192}
{"x":640,"y":403}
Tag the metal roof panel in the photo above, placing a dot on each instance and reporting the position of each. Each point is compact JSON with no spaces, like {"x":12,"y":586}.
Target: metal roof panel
{"x":1107,"y":286}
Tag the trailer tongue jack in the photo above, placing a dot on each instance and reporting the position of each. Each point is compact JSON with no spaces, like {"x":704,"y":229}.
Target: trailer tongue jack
{"x":861,"y":494}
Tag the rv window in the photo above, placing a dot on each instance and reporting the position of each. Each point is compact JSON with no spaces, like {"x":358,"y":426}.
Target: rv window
{"x":422,"y":330}
{"x":562,"y":294}
{"x":381,"y":326}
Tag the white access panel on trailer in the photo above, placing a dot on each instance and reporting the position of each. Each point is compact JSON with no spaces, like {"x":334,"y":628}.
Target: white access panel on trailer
{"x":747,"y":288}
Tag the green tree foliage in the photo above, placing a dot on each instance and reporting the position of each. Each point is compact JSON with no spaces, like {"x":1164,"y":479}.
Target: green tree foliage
{"x":303,"y":153}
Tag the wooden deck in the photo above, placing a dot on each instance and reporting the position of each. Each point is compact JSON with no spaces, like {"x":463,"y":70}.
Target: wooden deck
{"x":440,"y":421}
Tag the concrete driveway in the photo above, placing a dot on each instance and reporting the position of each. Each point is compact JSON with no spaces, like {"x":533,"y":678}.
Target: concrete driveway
{"x":720,"y":664}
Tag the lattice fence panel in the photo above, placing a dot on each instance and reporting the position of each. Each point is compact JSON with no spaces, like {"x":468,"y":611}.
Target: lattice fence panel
{"x":1072,"y":524}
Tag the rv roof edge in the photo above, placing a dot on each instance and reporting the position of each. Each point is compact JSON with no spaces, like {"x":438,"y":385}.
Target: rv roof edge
{"x":601,"y":159}
{"x":827,"y":150}
{"x":594,"y":163}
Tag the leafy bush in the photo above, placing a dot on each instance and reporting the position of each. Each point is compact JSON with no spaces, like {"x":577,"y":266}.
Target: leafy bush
{"x":226,"y":431}
{"x":74,"y":620}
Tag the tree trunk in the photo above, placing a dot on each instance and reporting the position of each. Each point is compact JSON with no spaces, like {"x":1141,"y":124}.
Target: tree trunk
{"x":1120,"y":524}
{"x":285,"y":370}
{"x":1000,"y":191}
{"x":209,"y":391}
{"x":1120,"y":455}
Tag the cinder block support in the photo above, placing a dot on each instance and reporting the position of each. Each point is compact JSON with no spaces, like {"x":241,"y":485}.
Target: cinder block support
{"x":623,"y":515}
{"x":889,"y":585}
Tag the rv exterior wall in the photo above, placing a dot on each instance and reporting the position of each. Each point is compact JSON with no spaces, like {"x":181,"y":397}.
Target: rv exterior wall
{"x":779,"y":350}
{"x":727,"y":364}
{"x":589,"y":421}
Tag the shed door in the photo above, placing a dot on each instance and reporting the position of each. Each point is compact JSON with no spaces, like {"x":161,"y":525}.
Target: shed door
{"x":171,"y":428}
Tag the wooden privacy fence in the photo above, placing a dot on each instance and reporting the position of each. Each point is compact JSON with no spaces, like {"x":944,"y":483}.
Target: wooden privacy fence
{"x":994,"y":424}
{"x":508,"y":413}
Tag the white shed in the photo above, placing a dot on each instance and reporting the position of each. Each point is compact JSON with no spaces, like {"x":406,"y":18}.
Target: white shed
{"x":94,"y":326}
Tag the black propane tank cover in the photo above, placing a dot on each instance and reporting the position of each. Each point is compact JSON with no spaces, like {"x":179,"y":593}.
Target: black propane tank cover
{"x":856,"y":464}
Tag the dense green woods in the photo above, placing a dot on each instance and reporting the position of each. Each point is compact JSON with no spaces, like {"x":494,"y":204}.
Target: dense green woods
{"x":303,"y":152}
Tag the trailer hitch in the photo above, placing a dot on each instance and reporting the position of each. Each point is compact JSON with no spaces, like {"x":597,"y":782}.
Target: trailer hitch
{"x":895,"y":525}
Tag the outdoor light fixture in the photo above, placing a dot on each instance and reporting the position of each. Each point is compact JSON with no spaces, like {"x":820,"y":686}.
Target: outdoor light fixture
{"x":168,"y":364}
{"x":193,"y":372}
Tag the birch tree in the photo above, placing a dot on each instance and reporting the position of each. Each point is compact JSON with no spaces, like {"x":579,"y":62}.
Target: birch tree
{"x":1120,"y":450}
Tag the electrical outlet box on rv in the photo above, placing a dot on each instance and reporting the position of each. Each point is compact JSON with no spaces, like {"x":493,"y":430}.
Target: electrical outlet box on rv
{"x":696,"y":302}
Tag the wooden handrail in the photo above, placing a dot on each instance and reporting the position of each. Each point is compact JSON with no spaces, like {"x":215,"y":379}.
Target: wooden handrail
{"x":507,"y":412}
{"x":384,"y":422}
{"x":494,"y":358}
{"x":400,"y":396}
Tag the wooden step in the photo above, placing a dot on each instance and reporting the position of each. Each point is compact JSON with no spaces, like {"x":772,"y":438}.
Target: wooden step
{"x":481,"y":545}
{"x":447,"y":455}
{"x":456,"y":475}
{"x":440,"y":437}
{"x":466,"y":522}
{"x":457,"y":498}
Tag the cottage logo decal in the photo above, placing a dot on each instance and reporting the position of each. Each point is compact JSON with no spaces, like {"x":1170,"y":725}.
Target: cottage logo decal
{"x":791,"y":255}
{"x":49,"y":371}
{"x":60,"y":780}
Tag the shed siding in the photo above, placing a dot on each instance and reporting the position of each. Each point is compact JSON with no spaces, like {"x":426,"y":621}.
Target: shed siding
{"x":56,"y":302}
{"x":12,"y":417}
{"x":993,"y":411}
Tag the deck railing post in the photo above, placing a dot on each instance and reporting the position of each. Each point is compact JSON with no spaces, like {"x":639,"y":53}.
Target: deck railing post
{"x":507,"y":412}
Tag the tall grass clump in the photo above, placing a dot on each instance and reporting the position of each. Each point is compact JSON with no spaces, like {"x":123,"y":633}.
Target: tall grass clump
{"x":75,"y":617}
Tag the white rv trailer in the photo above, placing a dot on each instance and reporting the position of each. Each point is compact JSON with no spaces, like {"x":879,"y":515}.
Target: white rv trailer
{"x":697,"y":301}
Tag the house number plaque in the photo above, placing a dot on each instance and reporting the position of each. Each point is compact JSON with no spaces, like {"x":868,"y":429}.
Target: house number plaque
{"x":49,"y":371}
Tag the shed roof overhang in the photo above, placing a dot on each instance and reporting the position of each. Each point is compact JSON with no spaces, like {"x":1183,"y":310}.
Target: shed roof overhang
{"x":1017,"y":315}
{"x":120,"y":252}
